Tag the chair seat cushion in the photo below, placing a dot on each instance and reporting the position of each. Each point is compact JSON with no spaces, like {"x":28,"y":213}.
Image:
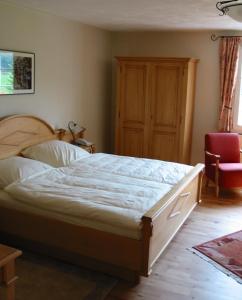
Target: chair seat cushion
{"x":230,"y":167}
{"x":230,"y":174}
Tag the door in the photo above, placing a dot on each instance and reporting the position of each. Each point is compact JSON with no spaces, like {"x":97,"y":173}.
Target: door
{"x":165,"y":116}
{"x":132,"y":110}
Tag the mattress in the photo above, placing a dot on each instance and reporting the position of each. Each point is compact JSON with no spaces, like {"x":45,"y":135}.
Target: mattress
{"x":105,"y":192}
{"x":142,"y":168}
{"x":7,"y":201}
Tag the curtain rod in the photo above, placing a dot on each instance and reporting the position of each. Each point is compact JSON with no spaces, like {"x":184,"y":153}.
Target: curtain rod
{"x":215,"y":37}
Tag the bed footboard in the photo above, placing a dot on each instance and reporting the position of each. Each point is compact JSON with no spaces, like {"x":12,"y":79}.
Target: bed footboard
{"x":113,"y":254}
{"x":164,"y":219}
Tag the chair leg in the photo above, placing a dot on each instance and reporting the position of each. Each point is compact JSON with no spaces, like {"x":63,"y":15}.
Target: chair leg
{"x":207,"y":182}
{"x":217,"y":190}
{"x":216,"y":183}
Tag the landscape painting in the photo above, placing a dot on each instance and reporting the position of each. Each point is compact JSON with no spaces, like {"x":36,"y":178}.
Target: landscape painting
{"x":16,"y":72}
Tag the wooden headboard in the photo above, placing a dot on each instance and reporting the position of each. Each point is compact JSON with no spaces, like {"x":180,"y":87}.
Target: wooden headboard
{"x":20,"y":131}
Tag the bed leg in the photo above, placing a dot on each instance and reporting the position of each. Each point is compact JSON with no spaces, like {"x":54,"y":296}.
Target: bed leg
{"x":200,"y":184}
{"x":147,"y":229}
{"x":136,"y":279}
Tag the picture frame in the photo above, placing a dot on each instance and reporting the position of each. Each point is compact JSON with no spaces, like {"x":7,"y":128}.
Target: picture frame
{"x":17,"y":72}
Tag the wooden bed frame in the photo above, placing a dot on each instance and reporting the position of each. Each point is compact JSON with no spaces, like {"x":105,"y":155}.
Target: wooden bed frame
{"x":114,"y":254}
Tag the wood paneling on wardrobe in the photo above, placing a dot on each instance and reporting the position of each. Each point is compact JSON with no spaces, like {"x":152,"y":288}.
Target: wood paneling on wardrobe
{"x":155,"y":100}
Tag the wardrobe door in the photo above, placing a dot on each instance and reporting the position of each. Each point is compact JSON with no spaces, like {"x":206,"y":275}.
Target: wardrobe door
{"x":132,"y":109}
{"x":166,"y":91}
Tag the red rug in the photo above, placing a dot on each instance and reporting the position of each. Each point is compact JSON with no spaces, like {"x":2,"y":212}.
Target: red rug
{"x":227,"y":252}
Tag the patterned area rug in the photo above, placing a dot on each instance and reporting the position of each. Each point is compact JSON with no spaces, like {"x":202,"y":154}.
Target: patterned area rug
{"x":225,"y":253}
{"x":41,"y":278}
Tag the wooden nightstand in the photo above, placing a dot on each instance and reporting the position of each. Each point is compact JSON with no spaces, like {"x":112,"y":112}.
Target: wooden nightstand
{"x":7,"y":263}
{"x":90,"y":149}
{"x":63,"y":135}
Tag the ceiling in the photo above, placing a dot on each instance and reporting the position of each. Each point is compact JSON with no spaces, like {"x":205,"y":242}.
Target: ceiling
{"x":138,"y":14}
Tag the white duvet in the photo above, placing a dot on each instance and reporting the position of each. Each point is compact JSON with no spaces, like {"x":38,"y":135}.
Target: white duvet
{"x":104,"y":189}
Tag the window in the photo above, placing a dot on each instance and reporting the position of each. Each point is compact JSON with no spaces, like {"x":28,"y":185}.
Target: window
{"x":238,"y":99}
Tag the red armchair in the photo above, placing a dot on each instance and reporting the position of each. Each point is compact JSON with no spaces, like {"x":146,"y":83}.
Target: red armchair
{"x":222,"y":160}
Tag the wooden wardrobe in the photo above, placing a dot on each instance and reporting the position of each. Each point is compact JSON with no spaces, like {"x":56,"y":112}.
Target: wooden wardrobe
{"x":154,"y":109}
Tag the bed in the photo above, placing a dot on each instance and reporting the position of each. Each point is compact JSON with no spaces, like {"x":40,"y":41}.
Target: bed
{"x":95,"y":245}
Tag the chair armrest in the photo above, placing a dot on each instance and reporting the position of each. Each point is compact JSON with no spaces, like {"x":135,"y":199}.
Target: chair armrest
{"x":240,"y":150}
{"x":216,"y":156}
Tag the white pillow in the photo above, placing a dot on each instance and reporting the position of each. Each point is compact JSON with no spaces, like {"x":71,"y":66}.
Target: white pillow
{"x":55,"y":153}
{"x":15,"y":168}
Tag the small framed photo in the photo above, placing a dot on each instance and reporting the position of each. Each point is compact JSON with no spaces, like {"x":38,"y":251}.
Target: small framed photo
{"x":17,"y":72}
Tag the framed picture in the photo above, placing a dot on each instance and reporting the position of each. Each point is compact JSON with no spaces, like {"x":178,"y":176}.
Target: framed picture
{"x":17,"y":70}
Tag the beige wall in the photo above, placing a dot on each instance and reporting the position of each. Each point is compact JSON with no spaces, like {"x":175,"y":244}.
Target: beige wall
{"x":179,"y":44}
{"x":73,"y":64}
{"x":73,"y":71}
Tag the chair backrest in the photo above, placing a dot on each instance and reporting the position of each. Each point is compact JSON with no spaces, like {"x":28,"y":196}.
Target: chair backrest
{"x":227,"y":145}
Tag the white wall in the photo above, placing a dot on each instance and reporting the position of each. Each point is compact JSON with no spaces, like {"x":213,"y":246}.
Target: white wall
{"x":180,"y":44}
{"x":73,"y":70}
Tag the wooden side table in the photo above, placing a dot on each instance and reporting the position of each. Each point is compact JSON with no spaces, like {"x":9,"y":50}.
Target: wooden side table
{"x":7,"y":263}
{"x":91,"y":149}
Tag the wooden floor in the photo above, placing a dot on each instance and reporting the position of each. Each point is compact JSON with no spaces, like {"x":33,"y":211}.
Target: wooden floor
{"x":180,"y":274}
